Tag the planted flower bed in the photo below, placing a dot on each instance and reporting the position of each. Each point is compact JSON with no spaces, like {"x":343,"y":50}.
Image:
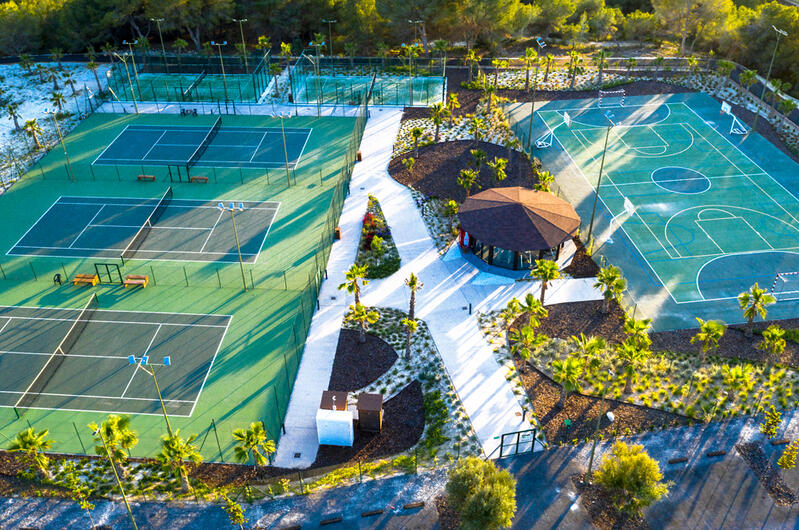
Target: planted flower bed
{"x":376,"y":249}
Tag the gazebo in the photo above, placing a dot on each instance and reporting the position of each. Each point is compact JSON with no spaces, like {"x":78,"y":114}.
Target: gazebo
{"x":512,"y":227}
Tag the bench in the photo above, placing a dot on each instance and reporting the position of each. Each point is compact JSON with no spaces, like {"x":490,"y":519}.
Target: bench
{"x":132,"y":280}
{"x":198,"y":178}
{"x":142,"y":178}
{"x":86,"y":279}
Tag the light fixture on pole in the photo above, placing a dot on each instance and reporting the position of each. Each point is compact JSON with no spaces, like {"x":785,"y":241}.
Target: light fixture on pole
{"x":133,"y":62}
{"x":780,"y":33}
{"x":144,"y":361}
{"x":161,"y":37}
{"x":243,"y":44}
{"x":98,"y":432}
{"x":415,"y":23}
{"x":130,"y":82}
{"x":285,"y":148}
{"x":609,"y":117}
{"x":233,"y":208}
{"x":222,"y":64}
{"x":329,"y":23}
{"x":541,"y":45}
{"x":61,"y":139}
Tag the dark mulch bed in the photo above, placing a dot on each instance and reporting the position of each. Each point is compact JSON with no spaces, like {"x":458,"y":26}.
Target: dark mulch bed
{"x":582,"y":265}
{"x":584,"y":410}
{"x":768,"y":475}
{"x":358,"y":364}
{"x":403,"y":423}
{"x":572,"y":318}
{"x":448,"y":518}
{"x":733,"y":344}
{"x":438,"y":166}
{"x":597,"y":502}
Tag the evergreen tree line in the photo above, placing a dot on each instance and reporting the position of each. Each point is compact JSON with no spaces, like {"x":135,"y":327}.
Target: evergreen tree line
{"x":739,"y":31}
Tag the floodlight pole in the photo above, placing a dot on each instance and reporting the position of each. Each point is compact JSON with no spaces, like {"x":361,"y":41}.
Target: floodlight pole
{"x":532,"y":101}
{"x":243,"y":44}
{"x":99,"y":433}
{"x":63,"y":146}
{"x":161,"y":37}
{"x":222,"y":64}
{"x":285,"y":149}
{"x":160,"y":398}
{"x":133,"y":59}
{"x":596,"y":432}
{"x":232,"y":209}
{"x":599,"y":182}
{"x":415,"y":25}
{"x":780,"y":33}
{"x":329,"y":23}
{"x":130,"y":82}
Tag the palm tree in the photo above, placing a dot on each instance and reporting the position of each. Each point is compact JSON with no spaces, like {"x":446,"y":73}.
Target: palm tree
{"x":787,"y":106}
{"x":631,"y":354}
{"x":601,"y":61}
{"x":476,"y":128}
{"x":498,"y":168}
{"x":410,"y":328}
{"x":478,"y":159}
{"x":253,"y":443}
{"x":57,"y":54}
{"x":567,"y":374}
{"x":42,"y":72}
{"x":754,"y":303}
{"x":544,"y":180}
{"x":658,"y":62}
{"x":13,"y":113}
{"x":467,"y":179}
{"x":69,"y":80}
{"x":437,"y":113}
{"x":612,"y":283}
{"x":630,"y":62}
{"x":440,"y":46}
{"x":451,"y":210}
{"x":638,"y":331}
{"x":25,"y":62}
{"x":285,"y":52}
{"x":773,"y":342}
{"x":590,"y":347}
{"x":736,"y":378}
{"x":120,"y":439}
{"x":363,"y":317}
{"x":529,"y":58}
{"x":33,"y":445}
{"x":470,"y":60}
{"x":108,"y":50}
{"x":58,"y":99}
{"x":545,"y":271}
{"x":549,"y":59}
{"x":709,"y":334}
{"x":416,"y":134}
{"x":747,"y":79}
{"x":180,"y":45}
{"x":490,"y":96}
{"x":724,"y":69}
{"x":53,"y":75}
{"x":575,"y":67}
{"x":523,"y":341}
{"x":692,"y":63}
{"x":534,"y":310}
{"x":354,"y":278}
{"x":414,"y":284}
{"x":176,"y":452}
{"x":452,"y":105}
{"x":33,"y":130}
{"x":93,"y":66}
{"x":779,"y":88}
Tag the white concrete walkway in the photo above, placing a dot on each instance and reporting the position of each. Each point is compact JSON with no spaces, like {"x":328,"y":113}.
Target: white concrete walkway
{"x":451,"y":284}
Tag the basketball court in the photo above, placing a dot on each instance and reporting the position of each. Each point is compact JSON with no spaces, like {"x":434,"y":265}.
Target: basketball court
{"x":704,"y":218}
{"x":100,"y":360}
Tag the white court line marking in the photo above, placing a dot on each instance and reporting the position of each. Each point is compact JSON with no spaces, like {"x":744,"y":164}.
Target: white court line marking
{"x":153,"y":146}
{"x":3,"y":307}
{"x":210,"y":366}
{"x":138,"y":227}
{"x":99,"y":321}
{"x":138,"y":252}
{"x":48,"y":354}
{"x":34,"y":224}
{"x":202,"y":249}
{"x":721,"y":250}
{"x":94,"y":396}
{"x":136,"y":366}
{"x":86,"y":227}
{"x":257,"y":147}
{"x":109,"y":145}
{"x":268,"y":228}
{"x":171,"y":205}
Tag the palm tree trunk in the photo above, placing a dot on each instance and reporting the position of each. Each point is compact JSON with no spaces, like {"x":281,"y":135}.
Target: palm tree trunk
{"x":438,"y":127}
{"x":749,"y":329}
{"x":184,"y":481}
{"x":562,"y":402}
{"x":628,"y":383}
{"x":16,"y":121}
{"x":606,"y":305}
{"x":357,"y":293}
{"x":362,"y":334}
{"x":36,"y":141}
{"x":600,"y":75}
{"x":543,"y":290}
{"x":546,"y":73}
{"x":408,"y":344}
{"x":412,"y":306}
{"x":527,"y":79}
{"x":97,"y":78}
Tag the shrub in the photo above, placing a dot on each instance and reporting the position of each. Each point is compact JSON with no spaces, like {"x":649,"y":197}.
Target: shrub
{"x":484,"y":496}
{"x":631,"y":477}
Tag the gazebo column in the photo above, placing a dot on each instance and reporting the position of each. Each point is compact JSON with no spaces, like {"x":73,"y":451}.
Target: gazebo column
{"x":491,"y":255}
{"x":541,"y":254}
{"x":557,"y":252}
{"x":517,"y":260}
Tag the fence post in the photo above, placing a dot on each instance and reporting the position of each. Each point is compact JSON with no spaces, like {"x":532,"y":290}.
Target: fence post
{"x":79,"y":438}
{"x":218,"y":445}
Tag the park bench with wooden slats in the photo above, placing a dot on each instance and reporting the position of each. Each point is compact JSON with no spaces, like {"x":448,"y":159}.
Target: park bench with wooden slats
{"x":150,"y":178}
{"x":198,"y":178}
{"x":133,"y":280}
{"x":86,"y":279}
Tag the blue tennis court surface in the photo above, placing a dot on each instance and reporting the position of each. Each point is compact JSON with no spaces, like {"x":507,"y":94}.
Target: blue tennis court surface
{"x":186,"y":230}
{"x":229,"y":147}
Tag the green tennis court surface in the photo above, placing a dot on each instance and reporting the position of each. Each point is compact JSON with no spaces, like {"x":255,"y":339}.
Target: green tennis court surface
{"x":186,"y":229}
{"x":704,"y":217}
{"x":200,"y":146}
{"x":349,"y":89}
{"x":95,"y":374}
{"x":190,"y":87}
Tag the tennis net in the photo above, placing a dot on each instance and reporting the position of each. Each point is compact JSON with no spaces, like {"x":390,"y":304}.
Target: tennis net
{"x":193,"y":85}
{"x":136,"y":243}
{"x":205,"y":143}
{"x":47,"y":372}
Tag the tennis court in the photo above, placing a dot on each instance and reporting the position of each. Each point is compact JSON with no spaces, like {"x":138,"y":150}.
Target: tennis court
{"x":194,"y":87}
{"x":350,"y":89}
{"x":151,"y":229}
{"x":78,"y":359}
{"x":702,"y":217}
{"x":217,"y":146}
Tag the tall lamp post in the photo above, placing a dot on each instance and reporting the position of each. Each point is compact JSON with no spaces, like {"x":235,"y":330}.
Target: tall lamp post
{"x":243,"y":44}
{"x":130,"y":82}
{"x":609,"y":117}
{"x":222,"y":64}
{"x":133,"y":61}
{"x":780,"y":33}
{"x":144,"y":361}
{"x":541,"y":45}
{"x":329,"y":23}
{"x":415,"y":24}
{"x":99,"y":433}
{"x":285,"y":148}
{"x":233,"y":208}
{"x":161,"y":37}
{"x":61,"y":139}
